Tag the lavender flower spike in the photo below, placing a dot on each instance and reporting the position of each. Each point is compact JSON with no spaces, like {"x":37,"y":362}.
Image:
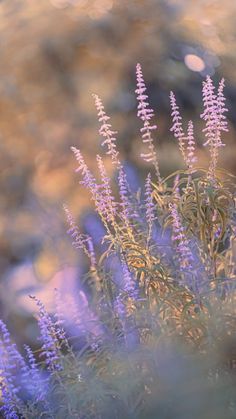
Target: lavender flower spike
{"x":106,"y":132}
{"x":74,"y":230}
{"x":34,"y":382}
{"x":191,"y":157}
{"x":128,"y":279}
{"x":10,"y":362}
{"x":221,"y":107}
{"x":106,"y":191}
{"x":128,"y":286}
{"x":145,"y":113}
{"x":90,"y":182}
{"x":179,"y":237}
{"x":213,"y":115}
{"x":80,"y":241}
{"x":150,"y":207}
{"x":8,"y":407}
{"x":177,"y":127}
{"x":49,"y":336}
{"x":88,"y":179}
{"x":16,"y":359}
{"x":126,"y":206}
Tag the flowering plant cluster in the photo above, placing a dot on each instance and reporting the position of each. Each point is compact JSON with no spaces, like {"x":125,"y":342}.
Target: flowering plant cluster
{"x":153,"y":335}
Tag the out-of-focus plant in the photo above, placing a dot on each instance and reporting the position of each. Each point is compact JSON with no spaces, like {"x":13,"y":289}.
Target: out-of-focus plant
{"x":153,"y":334}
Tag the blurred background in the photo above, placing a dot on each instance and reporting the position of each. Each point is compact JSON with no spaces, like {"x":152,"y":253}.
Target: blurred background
{"x":54,"y":55}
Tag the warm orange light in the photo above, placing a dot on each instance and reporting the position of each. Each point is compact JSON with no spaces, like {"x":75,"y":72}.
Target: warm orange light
{"x":59,"y":4}
{"x":194,"y":62}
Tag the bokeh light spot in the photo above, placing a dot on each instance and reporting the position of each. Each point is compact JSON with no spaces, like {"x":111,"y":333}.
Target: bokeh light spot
{"x":194,"y":62}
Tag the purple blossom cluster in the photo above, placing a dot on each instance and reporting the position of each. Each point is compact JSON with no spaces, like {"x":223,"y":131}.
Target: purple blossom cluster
{"x":127,"y":290}
{"x":97,"y":191}
{"x":150,"y":206}
{"x":18,"y":378}
{"x":186,"y":142}
{"x":179,"y":238}
{"x":87,"y":178}
{"x":107,"y":132}
{"x":146,"y":113}
{"x":108,"y":198}
{"x":50,"y":336}
{"x":213,"y":115}
{"x":10,"y":363}
{"x":191,"y":157}
{"x":35,"y":382}
{"x":177,"y":127}
{"x":80,"y":241}
{"x":127,"y":211}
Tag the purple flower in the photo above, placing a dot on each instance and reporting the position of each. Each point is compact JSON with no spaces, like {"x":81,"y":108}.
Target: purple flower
{"x":128,"y":284}
{"x":213,"y":115}
{"x":10,"y":363}
{"x":128,"y":280}
{"x":108,"y":198}
{"x":126,"y":208}
{"x":150,"y":207}
{"x":88,"y":178}
{"x":50,"y":335}
{"x":74,"y":312}
{"x":35,"y":384}
{"x":221,"y":108}
{"x":145,"y":113}
{"x":179,"y":238}
{"x":191,"y":157}
{"x":8,"y":407}
{"x":106,"y":132}
{"x":80,"y":241}
{"x":16,"y":359}
{"x":90,"y":182}
{"x":177,"y":127}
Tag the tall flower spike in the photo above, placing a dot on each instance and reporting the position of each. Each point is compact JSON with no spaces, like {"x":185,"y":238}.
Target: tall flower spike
{"x":106,"y":191}
{"x":74,"y":312}
{"x":50,"y":338}
{"x":191,"y":157}
{"x":177,"y":127}
{"x":179,"y":238}
{"x":150,"y":207}
{"x":145,"y":113}
{"x":221,"y":106}
{"x":213,"y":115}
{"x":128,"y":285}
{"x":88,"y":178}
{"x":106,"y":132}
{"x":128,"y":279}
{"x":90,"y":182}
{"x":8,"y":400}
{"x":80,"y":241}
{"x":127,"y":211}
{"x":34,"y":382}
{"x":74,"y":230}
{"x":10,"y":362}
{"x":122,"y":181}
{"x":15,"y":358}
